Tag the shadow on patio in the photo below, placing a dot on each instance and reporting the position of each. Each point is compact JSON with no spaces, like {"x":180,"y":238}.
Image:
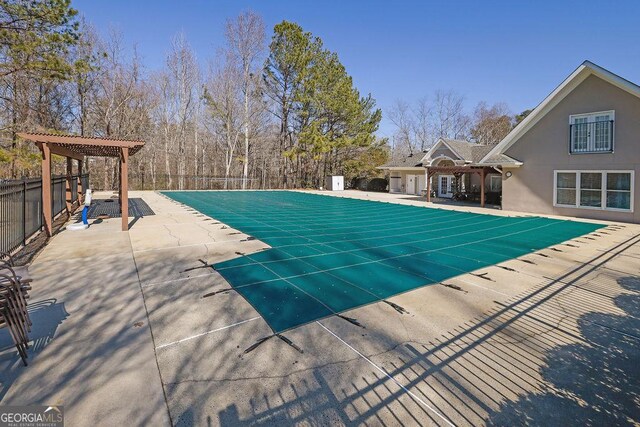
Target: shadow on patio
{"x":554,"y":355}
{"x":46,"y":316}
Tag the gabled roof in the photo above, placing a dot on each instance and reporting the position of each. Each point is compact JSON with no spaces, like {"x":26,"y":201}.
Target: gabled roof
{"x":470,"y":152}
{"x":410,"y":161}
{"x":585,"y":70}
{"x":458,"y":147}
{"x":464,"y":149}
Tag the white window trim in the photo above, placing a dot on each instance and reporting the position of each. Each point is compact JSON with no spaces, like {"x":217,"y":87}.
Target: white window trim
{"x":603,"y":190}
{"x":612,"y":113}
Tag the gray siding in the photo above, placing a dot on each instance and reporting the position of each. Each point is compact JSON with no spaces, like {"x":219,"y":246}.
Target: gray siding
{"x":443,"y":151}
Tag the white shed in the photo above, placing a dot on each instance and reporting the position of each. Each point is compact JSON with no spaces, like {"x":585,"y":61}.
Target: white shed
{"x":334,"y":183}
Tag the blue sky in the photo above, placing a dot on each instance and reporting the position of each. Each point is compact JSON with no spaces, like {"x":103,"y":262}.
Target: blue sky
{"x":502,"y":51}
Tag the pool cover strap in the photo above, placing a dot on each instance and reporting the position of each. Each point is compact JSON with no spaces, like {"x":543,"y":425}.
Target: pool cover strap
{"x":328,"y":255}
{"x":262,"y":340}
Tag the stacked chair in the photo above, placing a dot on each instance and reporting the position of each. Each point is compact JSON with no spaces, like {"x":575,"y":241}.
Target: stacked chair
{"x":14,"y":292}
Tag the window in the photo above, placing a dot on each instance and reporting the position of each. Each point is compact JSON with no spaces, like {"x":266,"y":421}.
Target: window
{"x":591,"y":189}
{"x":591,"y":133}
{"x":619,"y":190}
{"x":566,"y":188}
{"x":495,"y":183}
{"x":610,"y":190}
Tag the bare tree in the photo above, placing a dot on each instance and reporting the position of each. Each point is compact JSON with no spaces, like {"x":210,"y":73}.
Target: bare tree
{"x":118,"y":89}
{"x":448,"y":117}
{"x":421,"y":131}
{"x":224,"y":109}
{"x":246,"y":42}
{"x":401,"y":116}
{"x":181,"y":95}
{"x":491,"y":124}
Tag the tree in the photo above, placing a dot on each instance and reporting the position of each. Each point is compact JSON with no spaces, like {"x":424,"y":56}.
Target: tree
{"x":322,"y":116}
{"x":183,"y":80}
{"x":520,"y":117}
{"x":290,"y":54}
{"x":224,"y":107}
{"x":119,"y":107}
{"x":365,"y":163}
{"x":491,"y":124}
{"x":35,"y":37}
{"x":403,"y":138}
{"x":284,"y":122}
{"x":448,"y":117}
{"x":422,"y":134}
{"x":245,"y":39}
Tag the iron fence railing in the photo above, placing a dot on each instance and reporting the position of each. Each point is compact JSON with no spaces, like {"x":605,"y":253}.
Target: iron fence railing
{"x":591,"y":137}
{"x":21,"y":207}
{"x":191,"y":182}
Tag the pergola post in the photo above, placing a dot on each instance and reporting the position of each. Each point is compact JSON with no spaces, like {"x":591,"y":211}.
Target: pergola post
{"x":47,"y":215}
{"x":482,"y":175}
{"x":80,"y":188}
{"x":124,"y":188}
{"x":68,"y":190}
{"x":428,"y":185}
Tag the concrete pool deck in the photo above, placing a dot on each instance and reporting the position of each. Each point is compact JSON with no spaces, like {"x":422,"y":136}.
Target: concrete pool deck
{"x":123,"y":335}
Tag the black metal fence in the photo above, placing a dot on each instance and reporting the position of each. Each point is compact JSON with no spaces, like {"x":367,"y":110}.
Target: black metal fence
{"x":21,"y":207}
{"x":191,"y":182}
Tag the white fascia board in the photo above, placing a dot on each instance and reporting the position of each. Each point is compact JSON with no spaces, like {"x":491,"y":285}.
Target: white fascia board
{"x":586,"y":69}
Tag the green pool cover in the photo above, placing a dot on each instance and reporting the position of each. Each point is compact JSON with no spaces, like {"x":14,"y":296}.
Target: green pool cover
{"x":332,"y":254}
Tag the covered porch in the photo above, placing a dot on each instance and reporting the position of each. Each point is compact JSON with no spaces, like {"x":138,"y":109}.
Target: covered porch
{"x":74,"y":147}
{"x":478,"y":184}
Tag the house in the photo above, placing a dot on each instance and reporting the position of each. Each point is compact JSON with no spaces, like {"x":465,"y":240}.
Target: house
{"x":576,"y":154}
{"x":579,"y":150}
{"x":453,"y":167}
{"x":406,"y":176}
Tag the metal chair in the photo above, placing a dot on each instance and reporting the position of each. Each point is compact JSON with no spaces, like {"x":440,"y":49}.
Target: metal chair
{"x":14,"y":292}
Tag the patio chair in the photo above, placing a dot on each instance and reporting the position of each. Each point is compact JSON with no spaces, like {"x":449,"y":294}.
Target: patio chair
{"x":14,"y":292}
{"x":21,"y":274}
{"x":13,"y":314}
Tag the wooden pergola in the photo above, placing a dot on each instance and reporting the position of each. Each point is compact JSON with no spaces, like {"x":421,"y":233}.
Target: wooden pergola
{"x":457,"y":171}
{"x":75,"y":147}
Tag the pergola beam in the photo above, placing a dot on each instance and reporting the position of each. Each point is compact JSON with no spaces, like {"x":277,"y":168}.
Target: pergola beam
{"x":78,"y":140}
{"x":61,"y":151}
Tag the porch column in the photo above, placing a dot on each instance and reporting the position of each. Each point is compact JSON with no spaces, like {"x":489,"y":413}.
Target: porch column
{"x":68,"y":195}
{"x":124,"y":188}
{"x":46,"y":188}
{"x":80,"y":189}
{"x":482,"y":175}
{"x":428,"y":185}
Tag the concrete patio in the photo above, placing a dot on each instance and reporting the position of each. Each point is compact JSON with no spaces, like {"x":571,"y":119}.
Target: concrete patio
{"x":123,"y":335}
